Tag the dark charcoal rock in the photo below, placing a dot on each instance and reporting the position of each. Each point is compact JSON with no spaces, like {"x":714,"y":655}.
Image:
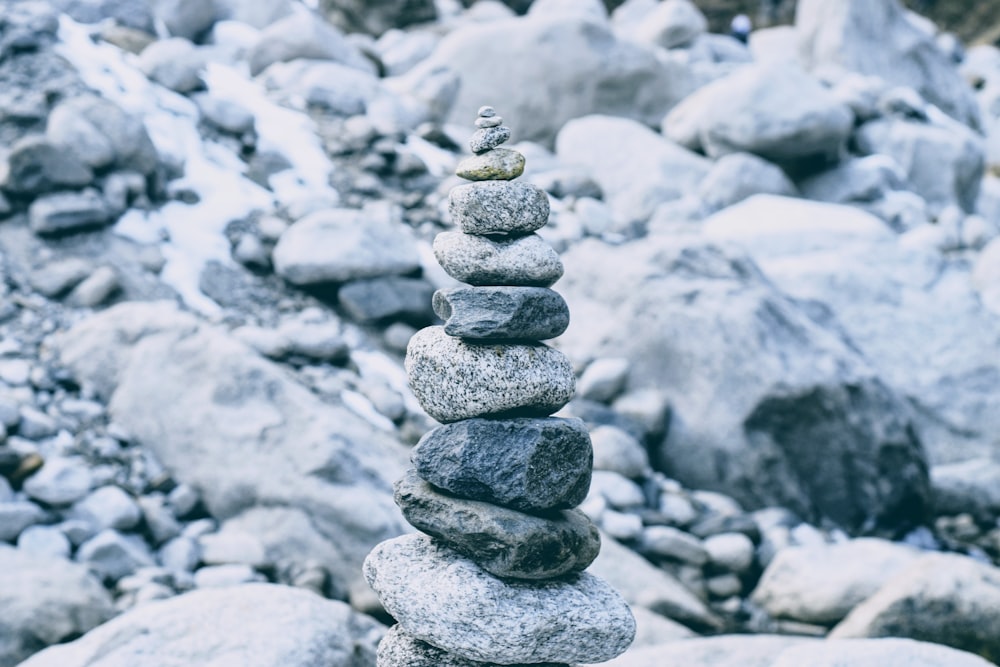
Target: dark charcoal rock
{"x":68,"y":212}
{"x":502,"y":313}
{"x":35,"y":166}
{"x":527,"y":464}
{"x":401,"y":649}
{"x":502,"y":541}
{"x":388,"y":298}
{"x":377,"y":16}
{"x":498,"y":207}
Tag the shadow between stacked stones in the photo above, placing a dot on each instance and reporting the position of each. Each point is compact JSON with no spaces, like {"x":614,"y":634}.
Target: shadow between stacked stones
{"x":496,"y":577}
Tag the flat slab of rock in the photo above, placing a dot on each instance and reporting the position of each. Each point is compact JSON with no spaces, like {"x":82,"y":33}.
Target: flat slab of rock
{"x":528,"y":464}
{"x":502,"y":313}
{"x":480,"y":260}
{"x":498,"y":164}
{"x":502,"y":541}
{"x":440,"y":597}
{"x":400,"y":649}
{"x":456,"y":380}
{"x":67,"y":211}
{"x":498,"y":207}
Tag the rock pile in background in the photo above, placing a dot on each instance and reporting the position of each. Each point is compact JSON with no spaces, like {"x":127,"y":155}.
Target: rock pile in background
{"x":500,"y":578}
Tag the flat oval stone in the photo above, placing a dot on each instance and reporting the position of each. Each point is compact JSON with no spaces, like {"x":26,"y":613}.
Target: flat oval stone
{"x":446,"y":600}
{"x":454,"y":379}
{"x":527,"y":464}
{"x":504,"y":542}
{"x":481,"y":260}
{"x":498,"y":207}
{"x":501,"y":164}
{"x":400,"y":649}
{"x":501,"y":313}
{"x":488,"y":138}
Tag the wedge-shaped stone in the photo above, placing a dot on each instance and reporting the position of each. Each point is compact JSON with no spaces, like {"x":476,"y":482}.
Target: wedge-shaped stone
{"x":446,"y":600}
{"x":481,"y":260}
{"x":502,"y":313}
{"x":499,"y":164}
{"x":504,"y":542}
{"x":498,"y":207}
{"x":400,"y":649}
{"x":526,"y":464}
{"x":454,"y":379}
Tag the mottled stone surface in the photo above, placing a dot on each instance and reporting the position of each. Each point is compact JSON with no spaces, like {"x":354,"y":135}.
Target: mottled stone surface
{"x":488,"y":138}
{"x":456,"y":380}
{"x":502,"y":313}
{"x":481,"y":260}
{"x":498,"y":207}
{"x":442,"y":598}
{"x":498,"y":164}
{"x":504,"y":542}
{"x":527,"y":464}
{"x":400,"y":649}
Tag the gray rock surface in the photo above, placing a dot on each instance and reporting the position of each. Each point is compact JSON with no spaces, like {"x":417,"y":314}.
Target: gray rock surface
{"x":175,"y":63}
{"x":480,"y":260}
{"x":737,"y":176}
{"x":723,"y":651}
{"x":501,"y":313}
{"x":15,"y":516}
{"x":504,"y":542}
{"x":108,"y":507}
{"x":387,"y":298}
{"x":456,"y":380}
{"x":185,"y":18}
{"x":856,"y":180}
{"x":63,"y":212}
{"x":255,"y":625}
{"x":379,"y":16}
{"x":821,"y":584}
{"x":45,"y":600}
{"x":60,"y":481}
{"x":399,"y":649}
{"x":672,"y":24}
{"x":498,"y":207}
{"x":304,"y":34}
{"x":101,"y":134}
{"x":971,"y":486}
{"x":527,"y":464}
{"x":497,"y":164}
{"x":618,"y":451}
{"x":876,"y":653}
{"x":35,"y":165}
{"x":941,"y":598}
{"x":437,"y":596}
{"x":337,"y":245}
{"x":112,"y":555}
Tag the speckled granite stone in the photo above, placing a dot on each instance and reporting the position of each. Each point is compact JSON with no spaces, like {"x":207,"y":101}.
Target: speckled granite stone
{"x":446,"y":600}
{"x":498,"y":207}
{"x":456,"y":380}
{"x":481,"y":260}
{"x":400,"y":649}
{"x":499,"y":164}
{"x":526,"y":464}
{"x":504,"y":542}
{"x":502,"y":313}
{"x":487,"y":138}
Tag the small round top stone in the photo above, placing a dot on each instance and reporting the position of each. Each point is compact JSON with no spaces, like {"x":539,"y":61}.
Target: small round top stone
{"x":487,"y":112}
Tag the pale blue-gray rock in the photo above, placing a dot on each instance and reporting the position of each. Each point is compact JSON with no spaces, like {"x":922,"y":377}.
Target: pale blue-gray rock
{"x":304,"y":34}
{"x":65,"y":212}
{"x":185,"y":18}
{"x":399,"y":649}
{"x":456,"y":380}
{"x":527,"y":464}
{"x":737,"y":176}
{"x":35,"y":165}
{"x":44,"y":541}
{"x":339,"y":88}
{"x":60,"y":481}
{"x":487,"y":138}
{"x":498,"y":207}
{"x":671,"y":543}
{"x":858,"y":180}
{"x":101,"y":134}
{"x":481,"y":260}
{"x":970,"y":486}
{"x":108,"y":507}
{"x":672,"y":24}
{"x":175,"y":63}
{"x":501,"y":313}
{"x":387,"y":298}
{"x":15,"y":516}
{"x":504,"y":542}
{"x":112,"y":555}
{"x":255,"y":625}
{"x":875,"y":653}
{"x":437,"y":597}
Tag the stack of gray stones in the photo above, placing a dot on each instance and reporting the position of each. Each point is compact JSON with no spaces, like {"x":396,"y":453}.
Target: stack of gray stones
{"x":496,"y":577}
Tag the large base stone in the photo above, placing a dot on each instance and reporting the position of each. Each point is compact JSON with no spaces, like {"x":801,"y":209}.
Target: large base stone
{"x":527,"y":464}
{"x":456,"y":380}
{"x":446,"y":600}
{"x":502,"y":541}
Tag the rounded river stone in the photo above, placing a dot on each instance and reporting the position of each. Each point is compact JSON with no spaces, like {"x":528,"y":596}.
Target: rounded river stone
{"x":481,"y":260}
{"x":488,"y":138}
{"x":498,"y":207}
{"x":501,"y":313}
{"x":502,"y":541}
{"x":400,"y":649}
{"x":526,"y":464}
{"x":440,"y":597}
{"x":454,"y":379}
{"x":501,"y":164}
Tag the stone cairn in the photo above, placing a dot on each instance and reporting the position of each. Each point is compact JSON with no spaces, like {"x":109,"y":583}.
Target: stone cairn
{"x":496,"y":577}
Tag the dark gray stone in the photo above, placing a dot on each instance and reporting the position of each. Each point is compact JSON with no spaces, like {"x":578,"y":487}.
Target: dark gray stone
{"x":67,"y":212}
{"x":377,"y":16}
{"x":35,"y":165}
{"x":400,"y":649}
{"x":502,"y":313}
{"x":527,"y":464}
{"x":481,"y":260}
{"x":504,"y":542}
{"x":498,"y":207}
{"x":488,"y":138}
{"x":101,"y":134}
{"x":388,"y":298}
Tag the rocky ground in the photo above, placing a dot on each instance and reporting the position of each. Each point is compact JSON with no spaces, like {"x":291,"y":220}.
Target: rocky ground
{"x":782,"y":262}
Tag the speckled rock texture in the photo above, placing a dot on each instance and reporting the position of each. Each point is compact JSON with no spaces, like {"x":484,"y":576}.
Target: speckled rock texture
{"x":488,"y":138}
{"x":526,"y":464}
{"x":498,"y":207}
{"x":481,"y":260}
{"x":400,"y":649}
{"x":504,"y":542}
{"x":456,"y":380}
{"x":499,"y":164}
{"x":502,"y":313}
{"x":444,"y":599}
